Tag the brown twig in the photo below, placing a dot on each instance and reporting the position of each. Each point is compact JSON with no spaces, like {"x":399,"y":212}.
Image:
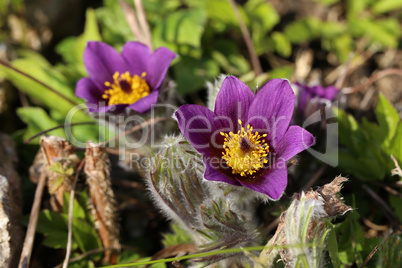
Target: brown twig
{"x":371,"y":225}
{"x":33,"y":221}
{"x":271,"y":226}
{"x":70,"y":215}
{"x":397,"y":170}
{"x":247,"y":38}
{"x":8,"y":65}
{"x":83,"y":255}
{"x":384,"y":207}
{"x":176,"y":250}
{"x":389,"y":189}
{"x":59,"y":126}
{"x":334,"y":75}
{"x":98,"y":250}
{"x":374,"y":78}
{"x":143,"y":23}
{"x":315,"y":178}
{"x":344,"y":72}
{"x":23,"y":99}
{"x":368,"y":258}
{"x":132,"y":21}
{"x":177,"y":264}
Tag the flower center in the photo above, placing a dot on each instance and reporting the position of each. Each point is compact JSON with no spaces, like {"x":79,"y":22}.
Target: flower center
{"x":126,"y":89}
{"x":245,"y":151}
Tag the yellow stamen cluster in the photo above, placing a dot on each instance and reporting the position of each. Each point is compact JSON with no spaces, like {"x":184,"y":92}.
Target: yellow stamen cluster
{"x":245,"y":152}
{"x":126,"y":89}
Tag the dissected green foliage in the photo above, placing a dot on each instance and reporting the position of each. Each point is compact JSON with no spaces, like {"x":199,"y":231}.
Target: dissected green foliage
{"x":369,"y":145}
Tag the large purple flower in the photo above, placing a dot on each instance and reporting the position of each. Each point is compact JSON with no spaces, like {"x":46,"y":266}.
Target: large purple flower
{"x":311,"y":97}
{"x":247,"y":140}
{"x":131,"y":79}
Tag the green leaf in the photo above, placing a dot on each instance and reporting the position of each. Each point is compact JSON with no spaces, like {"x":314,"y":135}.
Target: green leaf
{"x":383,"y":6}
{"x":115,"y":29}
{"x":228,"y":56}
{"x":85,"y":235}
{"x":33,"y":64}
{"x":388,"y":119}
{"x":341,"y":45}
{"x":366,"y":169}
{"x":191,"y":74}
{"x":331,"y":29}
{"x":332,"y":246}
{"x":281,"y":44}
{"x":82,"y":263}
{"x":38,"y":120}
{"x":55,"y":184}
{"x":284,"y":72}
{"x":160,"y":7}
{"x":326,"y":2}
{"x":54,"y":227}
{"x":222,"y":12}
{"x":78,"y":211}
{"x":176,"y":237}
{"x":128,"y":256}
{"x":391,"y":25}
{"x":263,"y":17}
{"x":354,"y":7}
{"x":58,"y":240}
{"x":378,"y":31}
{"x":351,"y":239}
{"x":72,"y":48}
{"x":369,"y":144}
{"x":183,"y":27}
{"x":37,"y":91}
{"x":396,"y":144}
{"x":350,"y":134}
{"x":261,"y":14}
{"x":395,"y":203}
{"x":303,"y":30}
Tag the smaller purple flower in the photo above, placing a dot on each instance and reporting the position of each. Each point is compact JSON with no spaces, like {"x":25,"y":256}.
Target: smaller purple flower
{"x":247,"y":139}
{"x":311,"y":97}
{"x":131,"y":79}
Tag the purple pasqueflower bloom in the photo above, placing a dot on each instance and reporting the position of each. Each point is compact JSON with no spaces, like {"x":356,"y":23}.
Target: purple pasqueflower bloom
{"x":247,"y":139}
{"x":131,"y":79}
{"x":310,"y":97}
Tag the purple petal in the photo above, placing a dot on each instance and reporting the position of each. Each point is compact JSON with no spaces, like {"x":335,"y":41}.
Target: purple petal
{"x":201,"y":127}
{"x":213,"y":172}
{"x":272,"y":109}
{"x":330,"y":92}
{"x":158,"y":65}
{"x":293,"y":142}
{"x":101,"y":62}
{"x":99,"y":108}
{"x":233,"y":101}
{"x":272,"y":183}
{"x":86,"y":89}
{"x":137,"y":56}
{"x":145,"y":104}
{"x":303,"y":96}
